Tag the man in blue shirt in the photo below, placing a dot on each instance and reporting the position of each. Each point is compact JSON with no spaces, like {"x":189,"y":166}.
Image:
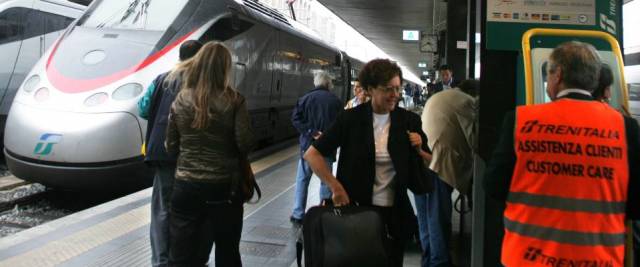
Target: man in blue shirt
{"x":314,"y":113}
{"x":154,"y":106}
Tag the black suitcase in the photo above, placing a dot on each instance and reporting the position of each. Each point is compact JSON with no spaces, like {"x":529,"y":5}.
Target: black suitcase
{"x":345,"y":236}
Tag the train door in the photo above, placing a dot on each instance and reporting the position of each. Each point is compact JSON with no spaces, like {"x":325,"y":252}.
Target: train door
{"x":288,"y":84}
{"x":275,"y":94}
{"x":275,"y":88}
{"x":341,"y":83}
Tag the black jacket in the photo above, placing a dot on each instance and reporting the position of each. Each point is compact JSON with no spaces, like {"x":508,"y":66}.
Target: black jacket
{"x":497,"y":176}
{"x":159,"y":108}
{"x":438,"y":87}
{"x":353,"y":134}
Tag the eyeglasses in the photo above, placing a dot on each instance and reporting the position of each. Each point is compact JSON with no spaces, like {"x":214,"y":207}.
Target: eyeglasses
{"x":389,"y":89}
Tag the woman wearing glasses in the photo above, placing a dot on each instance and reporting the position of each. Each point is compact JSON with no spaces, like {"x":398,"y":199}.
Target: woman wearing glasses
{"x":376,"y":140}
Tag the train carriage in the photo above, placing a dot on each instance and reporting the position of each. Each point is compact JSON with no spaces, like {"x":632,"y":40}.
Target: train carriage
{"x":77,"y":127}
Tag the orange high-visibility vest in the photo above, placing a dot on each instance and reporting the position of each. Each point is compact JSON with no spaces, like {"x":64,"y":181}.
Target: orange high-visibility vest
{"x":567,"y":198}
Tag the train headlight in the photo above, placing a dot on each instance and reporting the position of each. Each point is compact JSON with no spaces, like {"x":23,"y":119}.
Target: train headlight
{"x":96,"y":99}
{"x":127,"y":91}
{"x":42,"y":94}
{"x":31,"y":83}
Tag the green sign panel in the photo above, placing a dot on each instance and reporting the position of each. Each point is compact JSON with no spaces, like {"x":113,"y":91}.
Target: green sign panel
{"x":507,"y":20}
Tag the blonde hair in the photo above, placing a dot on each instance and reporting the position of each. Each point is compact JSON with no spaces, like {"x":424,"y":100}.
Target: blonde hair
{"x":207,"y":76}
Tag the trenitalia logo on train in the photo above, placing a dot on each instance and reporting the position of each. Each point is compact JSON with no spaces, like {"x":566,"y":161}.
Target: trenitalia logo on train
{"x":45,"y":146}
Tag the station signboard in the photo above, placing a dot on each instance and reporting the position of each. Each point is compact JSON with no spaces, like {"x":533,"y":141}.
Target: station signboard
{"x":507,"y":20}
{"x":410,"y":35}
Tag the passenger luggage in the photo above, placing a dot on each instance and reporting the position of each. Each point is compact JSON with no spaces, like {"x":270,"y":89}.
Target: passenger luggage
{"x":345,"y":236}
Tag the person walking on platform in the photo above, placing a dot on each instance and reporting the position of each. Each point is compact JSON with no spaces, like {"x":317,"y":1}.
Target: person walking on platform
{"x":359,"y":96}
{"x":312,"y":115}
{"x":209,"y":129}
{"x":446,"y":81}
{"x":154,"y":107}
{"x":569,"y":171}
{"x":376,"y":140}
{"x":448,"y":119}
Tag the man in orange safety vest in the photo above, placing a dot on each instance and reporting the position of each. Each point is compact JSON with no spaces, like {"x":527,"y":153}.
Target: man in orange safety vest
{"x":569,"y":171}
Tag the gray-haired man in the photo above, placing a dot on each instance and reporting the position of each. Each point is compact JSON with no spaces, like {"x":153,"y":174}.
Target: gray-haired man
{"x":312,"y":115}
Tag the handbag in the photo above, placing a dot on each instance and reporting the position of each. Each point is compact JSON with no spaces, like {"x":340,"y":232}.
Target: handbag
{"x":248,"y":183}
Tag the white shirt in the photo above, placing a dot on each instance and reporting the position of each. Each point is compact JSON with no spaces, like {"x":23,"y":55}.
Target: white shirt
{"x":383,"y":187}
{"x":446,"y":86}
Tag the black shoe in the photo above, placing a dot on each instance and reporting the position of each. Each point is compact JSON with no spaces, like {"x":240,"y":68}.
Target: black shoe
{"x":295,"y":221}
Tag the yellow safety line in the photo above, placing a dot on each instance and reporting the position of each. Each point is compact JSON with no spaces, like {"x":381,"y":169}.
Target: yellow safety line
{"x":528,"y":68}
{"x":275,"y":158}
{"x":69,"y":247}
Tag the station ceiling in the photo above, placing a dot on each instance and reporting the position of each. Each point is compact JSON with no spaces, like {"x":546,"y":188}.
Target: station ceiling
{"x":382,"y":22}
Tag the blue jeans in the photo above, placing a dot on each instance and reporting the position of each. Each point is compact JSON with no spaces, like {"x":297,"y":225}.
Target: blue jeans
{"x":434,"y":222}
{"x":159,"y":227}
{"x":303,"y":177}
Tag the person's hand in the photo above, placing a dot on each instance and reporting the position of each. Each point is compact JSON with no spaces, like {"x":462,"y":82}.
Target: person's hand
{"x":340,"y":196}
{"x":317,"y":135}
{"x":425,"y":155}
{"x":415,"y":139}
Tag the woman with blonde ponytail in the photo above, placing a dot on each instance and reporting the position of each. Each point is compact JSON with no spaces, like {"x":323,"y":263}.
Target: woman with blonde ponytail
{"x":209,"y":129}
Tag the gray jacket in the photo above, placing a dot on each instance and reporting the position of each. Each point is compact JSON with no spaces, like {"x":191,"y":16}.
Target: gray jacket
{"x":211,"y":154}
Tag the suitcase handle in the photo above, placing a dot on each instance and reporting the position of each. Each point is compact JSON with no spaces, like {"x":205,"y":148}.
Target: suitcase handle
{"x":338,"y":210}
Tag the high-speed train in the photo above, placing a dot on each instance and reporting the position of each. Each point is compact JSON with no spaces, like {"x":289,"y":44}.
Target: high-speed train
{"x":27,"y":29}
{"x":74,"y":122}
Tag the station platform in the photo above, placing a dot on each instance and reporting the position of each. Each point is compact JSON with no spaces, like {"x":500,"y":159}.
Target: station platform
{"x":117,"y":233}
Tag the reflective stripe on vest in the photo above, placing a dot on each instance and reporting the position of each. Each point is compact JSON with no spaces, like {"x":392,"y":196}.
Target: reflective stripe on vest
{"x":568,"y":192}
{"x":567,"y":204}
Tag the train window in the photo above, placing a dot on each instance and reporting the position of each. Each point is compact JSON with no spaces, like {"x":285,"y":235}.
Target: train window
{"x":54,"y":23}
{"x":11,"y":25}
{"x":225,"y":29}
{"x":136,"y":14}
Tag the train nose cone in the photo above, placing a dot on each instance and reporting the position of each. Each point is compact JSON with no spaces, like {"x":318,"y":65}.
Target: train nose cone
{"x":77,"y":151}
{"x":69,"y":137}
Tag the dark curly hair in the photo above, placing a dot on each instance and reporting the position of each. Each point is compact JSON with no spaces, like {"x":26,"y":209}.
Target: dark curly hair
{"x":378,"y":72}
{"x":605,"y":80}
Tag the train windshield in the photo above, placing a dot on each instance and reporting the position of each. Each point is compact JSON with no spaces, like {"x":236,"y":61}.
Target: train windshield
{"x":134,"y":14}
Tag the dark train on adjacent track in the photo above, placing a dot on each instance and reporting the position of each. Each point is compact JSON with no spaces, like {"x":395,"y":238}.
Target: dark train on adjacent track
{"x":74,"y":122}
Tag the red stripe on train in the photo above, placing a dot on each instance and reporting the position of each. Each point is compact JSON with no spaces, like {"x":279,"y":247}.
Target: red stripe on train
{"x":71,"y":85}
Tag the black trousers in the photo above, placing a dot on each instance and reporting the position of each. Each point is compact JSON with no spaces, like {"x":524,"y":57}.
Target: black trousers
{"x":397,"y":236}
{"x":202,"y":214}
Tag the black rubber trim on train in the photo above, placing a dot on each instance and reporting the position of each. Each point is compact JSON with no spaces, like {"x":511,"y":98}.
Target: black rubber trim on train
{"x":76,"y":165}
{"x":113,"y":176}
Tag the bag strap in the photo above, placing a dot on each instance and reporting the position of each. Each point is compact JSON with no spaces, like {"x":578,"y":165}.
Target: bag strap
{"x":299,"y":249}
